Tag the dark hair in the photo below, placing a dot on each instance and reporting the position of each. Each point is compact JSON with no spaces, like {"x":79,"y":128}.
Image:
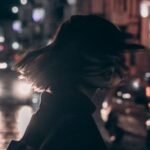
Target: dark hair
{"x":81,"y":42}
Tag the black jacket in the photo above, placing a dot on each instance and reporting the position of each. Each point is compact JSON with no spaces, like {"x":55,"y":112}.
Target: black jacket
{"x":63,"y":122}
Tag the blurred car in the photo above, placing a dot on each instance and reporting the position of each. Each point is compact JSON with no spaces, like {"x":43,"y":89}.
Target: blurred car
{"x":126,"y":109}
{"x":14,"y":90}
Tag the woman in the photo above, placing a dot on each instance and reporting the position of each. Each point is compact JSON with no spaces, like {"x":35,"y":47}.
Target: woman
{"x":85,"y":54}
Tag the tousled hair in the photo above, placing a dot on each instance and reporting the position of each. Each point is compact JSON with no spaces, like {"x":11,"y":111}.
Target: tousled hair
{"x":64,"y":62}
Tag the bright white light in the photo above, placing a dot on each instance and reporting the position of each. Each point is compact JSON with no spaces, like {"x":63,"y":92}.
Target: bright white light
{"x":71,"y":2}
{"x":136,"y":84}
{"x":22,"y":89}
{"x":144,"y":9}
{"x":15,"y":9}
{"x":147,"y":123}
{"x":2,"y":39}
{"x":23,"y":2}
{"x":17,"y":26}
{"x":38,"y":14}
{"x":3,"y":65}
{"x":15,"y":45}
{"x":126,"y":95}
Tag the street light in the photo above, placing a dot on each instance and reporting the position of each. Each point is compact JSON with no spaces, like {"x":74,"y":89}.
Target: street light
{"x":15,"y":9}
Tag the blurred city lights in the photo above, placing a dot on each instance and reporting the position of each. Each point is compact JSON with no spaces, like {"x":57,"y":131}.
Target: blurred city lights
{"x":147,"y":90}
{"x":15,"y":9}
{"x":126,"y":95}
{"x":136,"y":84}
{"x":17,"y":26}
{"x":23,"y":2}
{"x":147,"y":75}
{"x":118,"y":101}
{"x":119,"y":93}
{"x":71,"y":2}
{"x":3,"y":65}
{"x":147,"y":123}
{"x":22,"y":89}
{"x":15,"y":45}
{"x":38,"y":14}
{"x":2,"y":39}
{"x":144,"y":9}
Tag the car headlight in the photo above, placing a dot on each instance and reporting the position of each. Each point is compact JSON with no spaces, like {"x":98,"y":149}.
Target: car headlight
{"x":22,"y":89}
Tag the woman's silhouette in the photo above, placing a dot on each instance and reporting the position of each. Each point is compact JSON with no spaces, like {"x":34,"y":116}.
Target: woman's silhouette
{"x":85,"y":54}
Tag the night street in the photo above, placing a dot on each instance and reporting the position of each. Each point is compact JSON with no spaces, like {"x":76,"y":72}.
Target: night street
{"x":13,"y":122}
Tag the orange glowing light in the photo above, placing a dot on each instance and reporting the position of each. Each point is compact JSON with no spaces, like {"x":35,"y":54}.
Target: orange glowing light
{"x":147,"y":91}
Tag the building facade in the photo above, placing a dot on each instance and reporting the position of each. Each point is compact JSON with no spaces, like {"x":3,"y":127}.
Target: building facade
{"x":125,"y":13}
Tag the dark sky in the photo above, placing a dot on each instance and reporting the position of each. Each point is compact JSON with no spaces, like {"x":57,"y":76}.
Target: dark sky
{"x":5,"y":9}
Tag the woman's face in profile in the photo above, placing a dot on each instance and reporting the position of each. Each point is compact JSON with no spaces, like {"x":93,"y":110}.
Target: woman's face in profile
{"x":102,"y":82}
